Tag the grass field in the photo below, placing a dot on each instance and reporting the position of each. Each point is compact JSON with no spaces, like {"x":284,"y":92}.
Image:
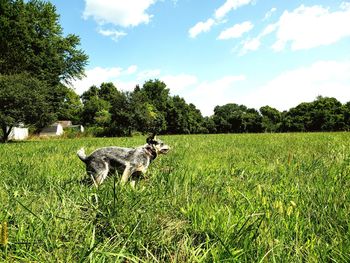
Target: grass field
{"x":214,"y":198}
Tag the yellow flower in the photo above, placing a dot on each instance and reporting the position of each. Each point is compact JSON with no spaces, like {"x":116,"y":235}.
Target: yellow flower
{"x":4,"y":234}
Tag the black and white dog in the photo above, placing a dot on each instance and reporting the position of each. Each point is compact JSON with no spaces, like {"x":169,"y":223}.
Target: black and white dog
{"x":128,"y":161}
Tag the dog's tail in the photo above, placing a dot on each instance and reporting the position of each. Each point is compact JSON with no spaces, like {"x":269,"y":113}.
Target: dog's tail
{"x":81,"y":154}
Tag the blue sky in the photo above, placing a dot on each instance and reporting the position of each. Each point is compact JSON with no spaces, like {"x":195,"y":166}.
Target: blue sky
{"x":251,"y":52}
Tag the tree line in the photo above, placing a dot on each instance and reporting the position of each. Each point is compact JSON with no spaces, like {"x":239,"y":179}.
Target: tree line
{"x":37,"y":62}
{"x":150,"y":108}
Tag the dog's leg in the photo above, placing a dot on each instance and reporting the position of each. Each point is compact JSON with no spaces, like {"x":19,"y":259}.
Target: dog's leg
{"x":126,"y":173}
{"x":101,"y":174}
{"x":133,"y":183}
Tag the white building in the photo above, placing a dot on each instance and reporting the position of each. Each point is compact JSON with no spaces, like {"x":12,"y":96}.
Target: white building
{"x":55,"y":129}
{"x":18,"y":133}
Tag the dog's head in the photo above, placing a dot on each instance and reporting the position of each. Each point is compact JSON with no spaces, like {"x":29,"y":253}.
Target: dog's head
{"x":157,"y":144}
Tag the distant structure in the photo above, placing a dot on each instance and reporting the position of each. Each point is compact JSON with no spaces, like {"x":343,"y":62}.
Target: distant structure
{"x":69,"y":125}
{"x":57,"y":128}
{"x":18,"y":133}
{"x":54,"y":129}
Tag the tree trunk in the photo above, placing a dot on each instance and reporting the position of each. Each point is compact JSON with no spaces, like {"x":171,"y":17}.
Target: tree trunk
{"x":5,"y":133}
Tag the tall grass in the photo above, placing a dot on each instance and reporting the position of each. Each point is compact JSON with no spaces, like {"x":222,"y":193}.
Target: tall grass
{"x":213,"y":198}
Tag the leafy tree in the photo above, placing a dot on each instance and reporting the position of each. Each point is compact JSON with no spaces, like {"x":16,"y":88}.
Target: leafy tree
{"x":271,"y":119}
{"x":121,"y":115}
{"x":146,"y":118}
{"x":109,"y":109}
{"x":346,"y":110}
{"x":326,"y":115}
{"x":296,"y":119}
{"x":236,"y":118}
{"x":92,"y":109}
{"x":252,"y":121}
{"x":23,"y":100}
{"x":209,"y":125}
{"x":67,"y":104}
{"x":177,"y":116}
{"x":108,"y":91}
{"x":93,"y":91}
{"x":32,"y":41}
{"x":157,"y":94}
{"x":323,"y":114}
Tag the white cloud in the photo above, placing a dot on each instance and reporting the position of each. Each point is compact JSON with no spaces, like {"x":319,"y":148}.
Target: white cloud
{"x":126,"y":85}
{"x":236,"y":31}
{"x":201,"y":27}
{"x":118,"y":12}
{"x":250,"y":45}
{"x":219,"y":14}
{"x":305,"y":28}
{"x":310,"y":27}
{"x":254,"y":44}
{"x":229,"y":5}
{"x":269,"y":13}
{"x":131,"y":70}
{"x":96,"y":76}
{"x":114,"y":34}
{"x":179,"y":83}
{"x":208,"y":94}
{"x":325,"y":78}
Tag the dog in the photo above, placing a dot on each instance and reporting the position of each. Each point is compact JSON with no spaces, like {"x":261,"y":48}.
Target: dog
{"x":128,"y":161}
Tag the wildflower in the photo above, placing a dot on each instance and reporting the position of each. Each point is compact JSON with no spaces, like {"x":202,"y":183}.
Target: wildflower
{"x":4,"y":234}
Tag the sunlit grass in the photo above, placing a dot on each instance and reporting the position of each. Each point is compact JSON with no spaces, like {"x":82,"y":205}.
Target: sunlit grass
{"x":243,"y":198}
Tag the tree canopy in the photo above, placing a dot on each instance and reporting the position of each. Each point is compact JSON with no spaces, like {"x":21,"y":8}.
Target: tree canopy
{"x":35,"y":54}
{"x":32,"y":41}
{"x":150,"y":108}
{"x":23,"y":100}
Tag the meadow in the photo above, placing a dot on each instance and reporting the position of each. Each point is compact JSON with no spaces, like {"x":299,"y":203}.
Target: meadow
{"x":213,"y":198}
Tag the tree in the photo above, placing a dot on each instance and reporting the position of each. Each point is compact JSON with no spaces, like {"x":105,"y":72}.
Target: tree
{"x":327,"y":114}
{"x":296,"y":119}
{"x":145,"y":117}
{"x":94,"y":107}
{"x":108,"y":109}
{"x":236,"y":118}
{"x":252,"y":121}
{"x":69,"y":106}
{"x":157,"y":94}
{"x":23,"y":100}
{"x":271,"y":119}
{"x":32,"y":41}
{"x":346,"y":110}
{"x":323,"y":114}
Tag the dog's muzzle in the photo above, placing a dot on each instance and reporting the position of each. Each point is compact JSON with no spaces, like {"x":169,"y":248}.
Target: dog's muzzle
{"x":164,"y":150}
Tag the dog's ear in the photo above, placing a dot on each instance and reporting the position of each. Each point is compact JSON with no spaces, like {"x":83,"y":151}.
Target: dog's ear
{"x":150,"y":138}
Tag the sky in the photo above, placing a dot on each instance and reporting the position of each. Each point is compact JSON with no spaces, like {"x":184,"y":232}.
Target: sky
{"x":213,"y":52}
